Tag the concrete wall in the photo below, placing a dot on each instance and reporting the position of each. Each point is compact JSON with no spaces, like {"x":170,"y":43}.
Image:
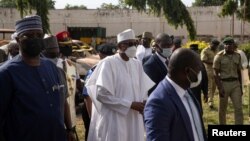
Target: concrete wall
{"x":206,"y":21}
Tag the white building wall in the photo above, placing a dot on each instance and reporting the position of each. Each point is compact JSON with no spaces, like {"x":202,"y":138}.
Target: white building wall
{"x":206,"y":20}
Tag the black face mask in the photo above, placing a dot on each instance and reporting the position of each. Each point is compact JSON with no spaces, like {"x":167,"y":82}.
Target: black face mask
{"x":32,"y":46}
{"x":66,"y":50}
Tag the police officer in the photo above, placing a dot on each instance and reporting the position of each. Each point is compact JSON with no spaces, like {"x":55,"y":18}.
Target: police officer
{"x":207,"y":57}
{"x":227,"y":73}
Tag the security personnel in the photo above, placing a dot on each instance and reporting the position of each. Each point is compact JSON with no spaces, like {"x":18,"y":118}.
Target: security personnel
{"x":72,"y":76}
{"x":207,"y":57}
{"x":227,"y":73}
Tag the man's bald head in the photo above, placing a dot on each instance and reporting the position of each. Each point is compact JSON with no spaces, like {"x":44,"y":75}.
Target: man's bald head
{"x":162,"y":37}
{"x":163,"y":45}
{"x":181,"y":59}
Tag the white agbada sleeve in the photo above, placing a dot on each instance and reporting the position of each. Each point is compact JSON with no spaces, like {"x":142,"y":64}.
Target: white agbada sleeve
{"x":244,"y":61}
{"x":119,"y":105}
{"x":112,"y":87}
{"x":140,"y":52}
{"x":103,"y":77}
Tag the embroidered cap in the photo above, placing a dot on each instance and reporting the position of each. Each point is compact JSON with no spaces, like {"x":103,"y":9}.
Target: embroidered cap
{"x":32,"y":22}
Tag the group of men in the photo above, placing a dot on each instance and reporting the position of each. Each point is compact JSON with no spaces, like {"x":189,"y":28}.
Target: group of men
{"x":132,"y":90}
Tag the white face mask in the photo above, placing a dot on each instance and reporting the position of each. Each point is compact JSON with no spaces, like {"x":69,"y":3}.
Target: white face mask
{"x":166,"y":52}
{"x":195,"y":84}
{"x":130,"y":51}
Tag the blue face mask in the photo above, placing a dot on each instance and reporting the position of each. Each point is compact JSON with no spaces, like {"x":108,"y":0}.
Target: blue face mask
{"x":166,"y":52}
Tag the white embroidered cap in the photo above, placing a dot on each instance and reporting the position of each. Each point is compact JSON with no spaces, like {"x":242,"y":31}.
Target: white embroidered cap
{"x":126,"y":35}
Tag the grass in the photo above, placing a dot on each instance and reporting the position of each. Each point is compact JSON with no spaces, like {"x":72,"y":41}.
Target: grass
{"x":210,"y":117}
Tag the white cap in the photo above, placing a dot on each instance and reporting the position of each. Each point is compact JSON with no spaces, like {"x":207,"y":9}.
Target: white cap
{"x":126,"y":35}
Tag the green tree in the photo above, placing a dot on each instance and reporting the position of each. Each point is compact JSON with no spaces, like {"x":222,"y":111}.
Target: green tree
{"x":122,"y":4}
{"x":174,"y":11}
{"x":69,"y":7}
{"x":51,"y":4}
{"x":208,"y":2}
{"x":239,"y":7}
{"x":8,"y":3}
{"x":12,"y":4}
{"x":41,"y":7}
{"x":109,"y":6}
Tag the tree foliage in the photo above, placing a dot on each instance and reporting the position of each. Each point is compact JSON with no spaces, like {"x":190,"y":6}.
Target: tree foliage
{"x":41,"y":7}
{"x":51,"y":4}
{"x":208,"y":2}
{"x":109,"y":6}
{"x":245,"y":14}
{"x":121,"y":5}
{"x":174,"y":11}
{"x":8,"y":3}
{"x":231,"y":7}
{"x":70,"y":7}
{"x":12,"y":4}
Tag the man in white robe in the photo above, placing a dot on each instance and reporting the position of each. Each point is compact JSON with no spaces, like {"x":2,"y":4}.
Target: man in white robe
{"x":144,"y":49}
{"x":118,"y":88}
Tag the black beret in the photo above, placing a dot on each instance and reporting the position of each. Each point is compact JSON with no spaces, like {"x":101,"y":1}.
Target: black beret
{"x":228,"y":40}
{"x":215,"y":42}
{"x":194,"y":46}
{"x":177,"y":41}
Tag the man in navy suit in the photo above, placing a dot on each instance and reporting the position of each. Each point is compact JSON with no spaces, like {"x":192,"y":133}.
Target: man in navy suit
{"x":172,"y":113}
{"x":156,"y":65}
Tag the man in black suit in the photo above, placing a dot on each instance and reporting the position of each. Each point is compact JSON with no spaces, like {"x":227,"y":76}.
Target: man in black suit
{"x":156,"y":65}
{"x":203,"y":86}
